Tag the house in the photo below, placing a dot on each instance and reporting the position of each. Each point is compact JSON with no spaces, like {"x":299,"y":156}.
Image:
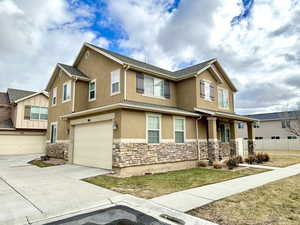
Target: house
{"x":23,"y":121}
{"x":111,"y":111}
{"x":272,"y":130}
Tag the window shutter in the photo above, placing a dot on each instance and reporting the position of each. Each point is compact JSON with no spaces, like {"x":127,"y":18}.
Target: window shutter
{"x":212,"y":92}
{"x":202,"y":89}
{"x":167,"y":92}
{"x":140,"y":83}
{"x":27,"y":112}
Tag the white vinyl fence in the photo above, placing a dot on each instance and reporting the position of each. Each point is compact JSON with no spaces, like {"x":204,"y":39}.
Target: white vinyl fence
{"x":274,"y":144}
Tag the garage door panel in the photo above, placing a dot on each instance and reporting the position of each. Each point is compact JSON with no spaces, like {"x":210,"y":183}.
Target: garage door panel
{"x":93,"y":144}
{"x":22,"y":144}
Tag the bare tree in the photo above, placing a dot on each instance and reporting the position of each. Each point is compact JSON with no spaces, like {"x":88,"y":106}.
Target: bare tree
{"x":291,"y":121}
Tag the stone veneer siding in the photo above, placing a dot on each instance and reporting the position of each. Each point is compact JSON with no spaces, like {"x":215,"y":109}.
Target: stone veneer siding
{"x":58,"y":150}
{"x":218,"y":150}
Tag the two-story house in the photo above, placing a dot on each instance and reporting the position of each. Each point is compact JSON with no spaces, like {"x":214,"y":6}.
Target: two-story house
{"x":111,"y":111}
{"x":23,"y":121}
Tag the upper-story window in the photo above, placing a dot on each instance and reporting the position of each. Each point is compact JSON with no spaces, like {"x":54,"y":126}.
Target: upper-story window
{"x":207,"y":90}
{"x":223,"y":98}
{"x":152,"y":86}
{"x":179,"y":130}
{"x":115,"y":82}
{"x":92,"y":90}
{"x":35,"y":113}
{"x":54,"y":96}
{"x":66,"y":92}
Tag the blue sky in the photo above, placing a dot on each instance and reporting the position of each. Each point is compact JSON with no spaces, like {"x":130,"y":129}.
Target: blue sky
{"x":257,"y":42}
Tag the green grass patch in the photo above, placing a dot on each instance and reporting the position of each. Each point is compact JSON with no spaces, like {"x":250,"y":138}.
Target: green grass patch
{"x":150,"y":186}
{"x":40,"y":163}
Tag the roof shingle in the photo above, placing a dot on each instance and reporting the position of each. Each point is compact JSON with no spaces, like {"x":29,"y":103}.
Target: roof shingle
{"x":274,"y":116}
{"x":16,"y":94}
{"x":73,"y":71}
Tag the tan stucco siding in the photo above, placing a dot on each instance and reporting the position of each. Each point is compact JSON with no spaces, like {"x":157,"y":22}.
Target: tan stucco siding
{"x":38,"y":100}
{"x":99,"y":67}
{"x":133,"y":124}
{"x":60,"y":109}
{"x":81,"y":95}
{"x":134,"y":96}
{"x":213,"y":105}
{"x":186,"y":97}
{"x":167,"y":125}
{"x":191,"y":128}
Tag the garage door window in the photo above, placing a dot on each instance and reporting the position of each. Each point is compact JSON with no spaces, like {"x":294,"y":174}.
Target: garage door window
{"x":153,"y":131}
{"x":53,"y":133}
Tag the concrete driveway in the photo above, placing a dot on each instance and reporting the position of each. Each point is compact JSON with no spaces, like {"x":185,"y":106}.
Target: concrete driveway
{"x":29,"y":193}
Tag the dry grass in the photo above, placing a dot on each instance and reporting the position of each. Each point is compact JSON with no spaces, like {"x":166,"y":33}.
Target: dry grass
{"x":40,"y":163}
{"x":282,"y":158}
{"x":150,"y":186}
{"x":277,"y":203}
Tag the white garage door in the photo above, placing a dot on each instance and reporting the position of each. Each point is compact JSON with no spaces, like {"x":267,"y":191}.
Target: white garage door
{"x":93,"y":144}
{"x":22,"y":144}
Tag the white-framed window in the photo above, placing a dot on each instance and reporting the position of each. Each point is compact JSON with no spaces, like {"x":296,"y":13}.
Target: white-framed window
{"x":35,"y":113}
{"x":179,"y":129}
{"x":54,"y":96}
{"x":225,"y":133}
{"x":207,"y":90}
{"x":223,"y":98}
{"x":115,"y":82}
{"x":53,"y":132}
{"x":92,"y":90}
{"x":66,"y":92}
{"x":153,"y":128}
{"x":241,"y":125}
{"x":154,"y":87}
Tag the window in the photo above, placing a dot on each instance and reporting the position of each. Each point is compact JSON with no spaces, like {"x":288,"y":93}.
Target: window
{"x":225,"y":133}
{"x":115,"y":82}
{"x":275,"y":137}
{"x":92,"y":90}
{"x":179,"y":130}
{"x":153,"y":129}
{"x":292,"y":137}
{"x":241,"y":125}
{"x":151,"y":86}
{"x":66,"y":91}
{"x":207,"y":90}
{"x":223,"y":98}
{"x":285,"y":123}
{"x":35,"y":113}
{"x":256,"y":125}
{"x":53,"y":133}
{"x":258,"y":138}
{"x":54,"y":96}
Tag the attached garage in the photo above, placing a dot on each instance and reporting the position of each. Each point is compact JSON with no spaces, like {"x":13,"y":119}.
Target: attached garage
{"x":21,"y":143}
{"x":93,"y":140}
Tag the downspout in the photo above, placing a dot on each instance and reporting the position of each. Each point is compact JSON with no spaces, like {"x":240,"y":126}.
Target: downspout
{"x":73,"y":98}
{"x":125,"y":81}
{"x":197,"y":136}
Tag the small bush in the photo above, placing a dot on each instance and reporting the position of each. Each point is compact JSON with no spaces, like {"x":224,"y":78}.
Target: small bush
{"x":217,"y":165}
{"x":239,"y":159}
{"x":266,"y":157}
{"x":232,"y":163}
{"x":250,"y":159}
{"x":259,"y":158}
{"x":202,"y":164}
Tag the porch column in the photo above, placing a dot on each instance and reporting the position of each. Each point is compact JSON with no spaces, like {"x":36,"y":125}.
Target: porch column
{"x":251,"y":147}
{"x":213,"y":144}
{"x":233,"y":138}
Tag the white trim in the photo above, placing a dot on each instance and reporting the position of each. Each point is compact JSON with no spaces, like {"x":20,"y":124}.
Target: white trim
{"x":111,"y":82}
{"x":213,"y":139}
{"x":206,"y":98}
{"x":95,"y":90}
{"x":160,"y":128}
{"x":221,"y":107}
{"x":167,"y":141}
{"x":53,"y":123}
{"x":129,"y":140}
{"x":125,"y":82}
{"x":93,"y":119}
{"x":66,"y":83}
{"x":71,"y":75}
{"x":52,"y":90}
{"x":174,"y":129}
{"x":30,"y":96}
{"x":152,"y":96}
{"x":214,"y":69}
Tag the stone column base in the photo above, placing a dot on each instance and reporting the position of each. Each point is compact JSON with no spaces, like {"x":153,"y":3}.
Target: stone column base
{"x":251,"y":147}
{"x":233,"y":148}
{"x":58,"y":150}
{"x":213,"y":151}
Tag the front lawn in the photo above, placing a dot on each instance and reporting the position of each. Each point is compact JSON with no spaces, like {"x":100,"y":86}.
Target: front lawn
{"x":40,"y":163}
{"x":282,"y":158}
{"x":150,"y":186}
{"x":277,"y":203}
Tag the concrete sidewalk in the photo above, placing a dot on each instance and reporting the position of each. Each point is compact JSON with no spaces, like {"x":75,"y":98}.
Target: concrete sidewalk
{"x":197,"y":197}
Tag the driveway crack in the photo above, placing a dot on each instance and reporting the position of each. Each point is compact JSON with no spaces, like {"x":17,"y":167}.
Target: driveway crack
{"x":23,"y":196}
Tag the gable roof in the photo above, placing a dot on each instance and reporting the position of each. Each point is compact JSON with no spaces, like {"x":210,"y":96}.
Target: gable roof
{"x":16,"y":94}
{"x":72,"y":70}
{"x":275,"y":115}
{"x":145,"y":67}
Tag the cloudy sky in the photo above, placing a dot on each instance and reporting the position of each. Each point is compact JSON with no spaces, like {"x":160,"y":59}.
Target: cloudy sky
{"x":256,"y":41}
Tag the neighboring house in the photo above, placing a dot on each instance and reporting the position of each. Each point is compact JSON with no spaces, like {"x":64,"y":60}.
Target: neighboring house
{"x":272,"y":130}
{"x":111,"y":111}
{"x":23,"y":122}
